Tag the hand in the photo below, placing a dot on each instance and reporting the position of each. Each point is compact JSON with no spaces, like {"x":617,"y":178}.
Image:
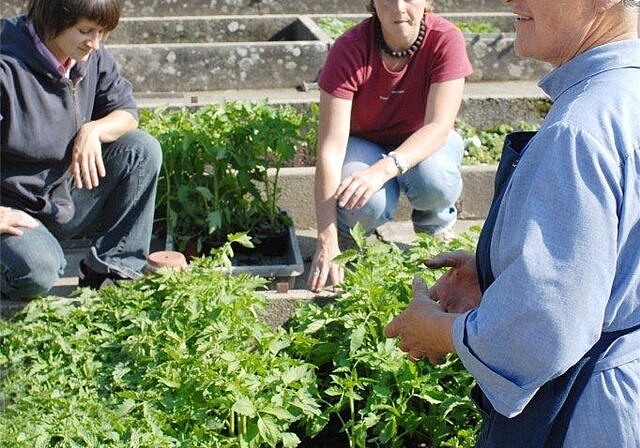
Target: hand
{"x":87,"y":166}
{"x":323,"y":269}
{"x":355,"y":190}
{"x":11,"y":220}
{"x":423,"y":329}
{"x":458,"y":290}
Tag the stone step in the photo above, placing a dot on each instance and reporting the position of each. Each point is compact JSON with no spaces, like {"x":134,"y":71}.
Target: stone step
{"x":221,"y":7}
{"x":254,"y":28}
{"x":263,"y":65}
{"x":484,"y":105}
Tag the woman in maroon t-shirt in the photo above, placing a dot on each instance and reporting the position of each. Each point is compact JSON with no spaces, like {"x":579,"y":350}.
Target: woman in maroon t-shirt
{"x":390,"y":91}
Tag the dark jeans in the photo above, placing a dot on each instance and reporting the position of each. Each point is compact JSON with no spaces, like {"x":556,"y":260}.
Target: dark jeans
{"x":119,"y":212}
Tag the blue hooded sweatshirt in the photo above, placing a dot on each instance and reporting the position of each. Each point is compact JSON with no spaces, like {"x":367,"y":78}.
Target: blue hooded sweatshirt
{"x":40,"y":115}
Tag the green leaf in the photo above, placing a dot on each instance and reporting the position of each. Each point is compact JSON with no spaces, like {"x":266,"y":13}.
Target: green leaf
{"x":244,"y":406}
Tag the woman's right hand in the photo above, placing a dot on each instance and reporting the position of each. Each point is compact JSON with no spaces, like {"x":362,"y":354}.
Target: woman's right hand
{"x":11,"y":220}
{"x":322,"y":267}
{"x":458,"y":290}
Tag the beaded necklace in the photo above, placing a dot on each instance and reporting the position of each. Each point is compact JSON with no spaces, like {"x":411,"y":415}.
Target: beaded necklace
{"x":400,"y":54}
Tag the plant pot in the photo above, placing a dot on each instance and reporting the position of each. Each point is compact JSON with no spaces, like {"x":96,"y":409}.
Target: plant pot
{"x":283,"y":264}
{"x":274,"y":244}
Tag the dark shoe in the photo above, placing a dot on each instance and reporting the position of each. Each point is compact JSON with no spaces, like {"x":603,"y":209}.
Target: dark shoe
{"x":87,"y":277}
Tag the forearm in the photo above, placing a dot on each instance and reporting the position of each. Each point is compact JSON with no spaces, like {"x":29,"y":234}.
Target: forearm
{"x":326,"y":183}
{"x":112,"y":126}
{"x":423,"y":143}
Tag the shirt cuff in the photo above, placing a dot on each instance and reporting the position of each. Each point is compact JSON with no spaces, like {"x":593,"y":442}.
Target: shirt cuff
{"x":506,"y":397}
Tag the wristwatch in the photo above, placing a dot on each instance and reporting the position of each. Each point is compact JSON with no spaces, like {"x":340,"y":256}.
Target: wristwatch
{"x":400,"y":162}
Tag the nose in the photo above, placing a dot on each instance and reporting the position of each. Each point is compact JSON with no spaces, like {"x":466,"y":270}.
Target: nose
{"x":94,"y":40}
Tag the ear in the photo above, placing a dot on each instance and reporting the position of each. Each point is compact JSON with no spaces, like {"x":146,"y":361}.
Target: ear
{"x":602,"y":6}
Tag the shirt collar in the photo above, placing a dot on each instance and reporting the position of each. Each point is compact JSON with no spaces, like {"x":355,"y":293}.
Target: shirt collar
{"x":614,"y":55}
{"x":63,"y":69}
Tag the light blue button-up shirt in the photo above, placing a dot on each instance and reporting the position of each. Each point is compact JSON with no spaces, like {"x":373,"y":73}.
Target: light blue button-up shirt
{"x":565,"y":254}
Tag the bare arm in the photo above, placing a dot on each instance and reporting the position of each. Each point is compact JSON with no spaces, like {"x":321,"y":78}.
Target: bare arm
{"x":86,"y":163}
{"x":333,"y":133}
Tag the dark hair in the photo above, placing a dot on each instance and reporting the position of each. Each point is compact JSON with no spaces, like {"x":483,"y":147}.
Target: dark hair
{"x":51,"y":17}
{"x":428,"y":7}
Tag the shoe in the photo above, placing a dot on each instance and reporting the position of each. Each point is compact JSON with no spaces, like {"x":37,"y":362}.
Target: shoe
{"x":87,"y":277}
{"x":447,"y":235}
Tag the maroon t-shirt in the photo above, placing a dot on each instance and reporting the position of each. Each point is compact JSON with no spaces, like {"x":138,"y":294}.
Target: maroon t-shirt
{"x":390,"y":106}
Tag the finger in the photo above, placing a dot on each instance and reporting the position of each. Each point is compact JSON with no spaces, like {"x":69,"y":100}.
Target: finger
{"x":313,"y":278}
{"x":102,"y":171}
{"x":86,"y":174}
{"x":391,"y":329}
{"x":92,"y":166}
{"x":442,"y":260}
{"x":10,"y":230}
{"x":419,"y":288}
{"x":336,"y":275}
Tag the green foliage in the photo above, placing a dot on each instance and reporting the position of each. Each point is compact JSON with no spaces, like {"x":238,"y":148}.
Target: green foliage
{"x":184,"y":359}
{"x":486,"y":146}
{"x":335,"y":26}
{"x":179,"y":359}
{"x":381,"y":398}
{"x":477,"y":27}
{"x":221,"y":166}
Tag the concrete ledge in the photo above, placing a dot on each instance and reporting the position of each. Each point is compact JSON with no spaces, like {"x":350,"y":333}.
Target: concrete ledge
{"x":208,"y":7}
{"x":297,"y":194}
{"x":484,"y":104}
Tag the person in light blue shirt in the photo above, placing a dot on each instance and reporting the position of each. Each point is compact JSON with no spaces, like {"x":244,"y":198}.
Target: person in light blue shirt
{"x":546,"y":315}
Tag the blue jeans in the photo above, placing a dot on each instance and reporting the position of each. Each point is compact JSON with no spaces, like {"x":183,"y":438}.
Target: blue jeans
{"x":432,"y":187}
{"x":118,"y":214}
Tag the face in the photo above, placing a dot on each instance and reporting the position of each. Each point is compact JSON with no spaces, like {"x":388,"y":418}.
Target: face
{"x":400,"y":18}
{"x":77,"y":42}
{"x":553,"y":31}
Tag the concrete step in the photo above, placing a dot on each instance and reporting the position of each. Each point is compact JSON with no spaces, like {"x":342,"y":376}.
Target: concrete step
{"x":169,"y":8}
{"x":484,"y":104}
{"x":280,"y":304}
{"x":169,"y":66}
{"x":474,"y":202}
{"x":254,"y":28}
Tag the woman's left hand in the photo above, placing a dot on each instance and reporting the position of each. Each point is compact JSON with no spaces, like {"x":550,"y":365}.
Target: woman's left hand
{"x":424,"y":328}
{"x":87,"y":166}
{"x":355,"y":190}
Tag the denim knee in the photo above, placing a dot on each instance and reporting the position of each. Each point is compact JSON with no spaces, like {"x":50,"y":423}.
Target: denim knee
{"x":372,"y":215}
{"x":436,"y":183}
{"x":28,"y":277}
{"x":145,"y":145}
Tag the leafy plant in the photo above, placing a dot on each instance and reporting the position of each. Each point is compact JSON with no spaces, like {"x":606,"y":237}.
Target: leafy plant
{"x":477,"y":27}
{"x":485,"y":146}
{"x":367,"y":384}
{"x":335,"y":26}
{"x":218,"y":165}
{"x":184,"y":359}
{"x":179,"y":359}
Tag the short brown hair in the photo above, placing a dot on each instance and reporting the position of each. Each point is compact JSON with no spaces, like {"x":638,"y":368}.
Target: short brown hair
{"x":427,"y":8}
{"x":51,"y":17}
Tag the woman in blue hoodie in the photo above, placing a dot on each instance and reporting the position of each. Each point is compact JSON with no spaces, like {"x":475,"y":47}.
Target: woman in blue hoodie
{"x":72,"y":159}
